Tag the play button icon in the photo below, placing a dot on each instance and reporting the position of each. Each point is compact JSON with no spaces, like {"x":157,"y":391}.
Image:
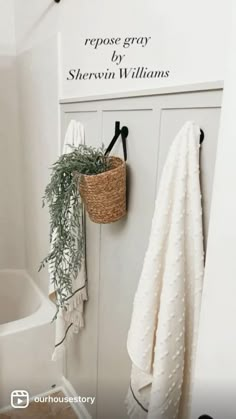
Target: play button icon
{"x":20,"y":399}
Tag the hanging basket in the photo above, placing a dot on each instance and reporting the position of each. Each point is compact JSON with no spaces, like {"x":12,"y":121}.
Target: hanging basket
{"x":104,"y":195}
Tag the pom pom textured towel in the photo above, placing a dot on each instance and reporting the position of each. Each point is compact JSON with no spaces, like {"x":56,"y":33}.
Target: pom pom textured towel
{"x":163,"y":332}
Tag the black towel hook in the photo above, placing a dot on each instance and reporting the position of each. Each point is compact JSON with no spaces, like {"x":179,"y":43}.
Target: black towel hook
{"x":57,"y":1}
{"x":202,"y":135}
{"x":124,"y":132}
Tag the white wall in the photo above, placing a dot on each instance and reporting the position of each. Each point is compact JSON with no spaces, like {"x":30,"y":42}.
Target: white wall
{"x":216,"y":367}
{"x":38,"y":98}
{"x":37,"y":66}
{"x":7,"y":27}
{"x":35,"y":22}
{"x":11,"y":215}
{"x":189,"y":38}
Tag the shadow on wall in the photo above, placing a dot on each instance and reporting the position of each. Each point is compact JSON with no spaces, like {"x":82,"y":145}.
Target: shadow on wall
{"x":11,"y":208}
{"x":35,"y":23}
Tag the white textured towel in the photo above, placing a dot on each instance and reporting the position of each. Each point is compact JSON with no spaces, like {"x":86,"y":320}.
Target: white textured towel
{"x":163,"y":332}
{"x":70,"y":320}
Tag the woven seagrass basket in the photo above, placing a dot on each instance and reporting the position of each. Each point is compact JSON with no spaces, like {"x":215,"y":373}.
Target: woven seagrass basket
{"x":104,"y":195}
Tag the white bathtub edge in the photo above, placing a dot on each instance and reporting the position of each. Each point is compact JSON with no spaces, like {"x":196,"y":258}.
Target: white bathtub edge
{"x":38,"y":318}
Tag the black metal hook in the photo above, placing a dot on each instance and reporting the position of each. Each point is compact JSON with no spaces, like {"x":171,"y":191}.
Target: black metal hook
{"x":124,"y":132}
{"x":57,"y":1}
{"x":202,"y":136}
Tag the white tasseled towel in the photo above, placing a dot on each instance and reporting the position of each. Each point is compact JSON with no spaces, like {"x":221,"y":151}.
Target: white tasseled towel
{"x":70,"y":320}
{"x":163,"y":332}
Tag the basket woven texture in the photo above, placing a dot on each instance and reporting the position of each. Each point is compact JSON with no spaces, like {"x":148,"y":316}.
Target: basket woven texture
{"x":104,"y":195}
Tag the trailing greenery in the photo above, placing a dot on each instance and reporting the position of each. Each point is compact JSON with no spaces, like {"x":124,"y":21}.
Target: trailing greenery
{"x":65,"y":210}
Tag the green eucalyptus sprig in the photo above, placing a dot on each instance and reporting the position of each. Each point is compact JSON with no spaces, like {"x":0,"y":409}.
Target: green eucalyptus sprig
{"x":65,"y":211}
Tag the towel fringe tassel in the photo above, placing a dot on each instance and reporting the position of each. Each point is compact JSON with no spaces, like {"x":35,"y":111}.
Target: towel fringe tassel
{"x":74,"y":312}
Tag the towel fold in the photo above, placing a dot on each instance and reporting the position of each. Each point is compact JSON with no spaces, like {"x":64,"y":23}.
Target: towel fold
{"x":70,"y":319}
{"x":163,"y":332}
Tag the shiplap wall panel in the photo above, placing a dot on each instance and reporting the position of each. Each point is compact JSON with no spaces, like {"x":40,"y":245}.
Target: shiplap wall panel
{"x":122,"y":249}
{"x":115,"y":252}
